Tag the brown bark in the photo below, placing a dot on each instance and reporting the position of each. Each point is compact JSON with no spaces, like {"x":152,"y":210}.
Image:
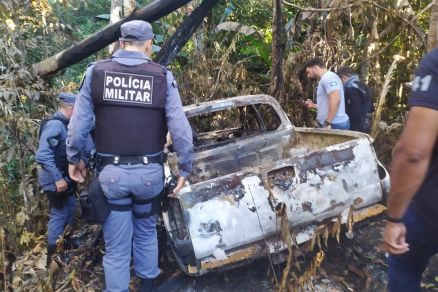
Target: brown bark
{"x":371,"y":66}
{"x":432,"y":38}
{"x":278,"y":47}
{"x":104,"y":37}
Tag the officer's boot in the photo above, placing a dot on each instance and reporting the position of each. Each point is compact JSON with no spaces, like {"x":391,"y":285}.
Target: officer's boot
{"x":146,"y":285}
{"x":50,"y":251}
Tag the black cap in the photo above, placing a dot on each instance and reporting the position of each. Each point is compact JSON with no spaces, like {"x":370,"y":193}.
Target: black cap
{"x":136,"y":30}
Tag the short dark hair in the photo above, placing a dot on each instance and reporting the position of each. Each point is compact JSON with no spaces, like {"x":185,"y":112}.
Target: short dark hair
{"x":135,"y":43}
{"x":65,"y":105}
{"x":345,"y":72}
{"x":315,"y":62}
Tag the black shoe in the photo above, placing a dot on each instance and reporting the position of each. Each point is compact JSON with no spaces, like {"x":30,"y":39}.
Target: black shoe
{"x":146,"y":285}
{"x":51,"y":249}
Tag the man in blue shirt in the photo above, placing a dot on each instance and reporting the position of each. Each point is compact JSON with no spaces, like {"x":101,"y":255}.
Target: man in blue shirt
{"x":411,"y":231}
{"x":53,"y":175}
{"x":135,"y":102}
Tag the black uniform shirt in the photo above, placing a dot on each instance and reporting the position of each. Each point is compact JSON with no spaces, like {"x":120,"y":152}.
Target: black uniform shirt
{"x":425,"y":94}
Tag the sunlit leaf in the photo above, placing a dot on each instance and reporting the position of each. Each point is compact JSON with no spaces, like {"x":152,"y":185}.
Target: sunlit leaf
{"x":21,"y":218}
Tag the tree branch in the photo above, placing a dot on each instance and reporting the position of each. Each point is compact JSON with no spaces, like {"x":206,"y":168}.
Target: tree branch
{"x":308,"y":9}
{"x":411,"y":24}
{"x":174,"y":44}
{"x":401,"y":30}
{"x":99,"y":40}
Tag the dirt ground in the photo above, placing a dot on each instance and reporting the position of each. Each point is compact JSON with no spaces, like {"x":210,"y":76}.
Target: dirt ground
{"x":358,"y":264}
{"x":354,"y":265}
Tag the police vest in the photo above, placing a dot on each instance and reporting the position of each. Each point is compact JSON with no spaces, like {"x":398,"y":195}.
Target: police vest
{"x":129,"y":106}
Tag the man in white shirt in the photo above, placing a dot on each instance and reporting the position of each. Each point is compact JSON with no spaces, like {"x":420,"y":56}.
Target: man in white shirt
{"x":330,"y":101}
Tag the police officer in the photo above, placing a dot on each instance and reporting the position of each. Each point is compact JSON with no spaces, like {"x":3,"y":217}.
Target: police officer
{"x":53,"y":175}
{"x":411,"y":231}
{"x":134,"y":102}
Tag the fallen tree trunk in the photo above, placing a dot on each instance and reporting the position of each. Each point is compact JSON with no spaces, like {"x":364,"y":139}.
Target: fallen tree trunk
{"x":104,"y":37}
{"x":173,"y":45}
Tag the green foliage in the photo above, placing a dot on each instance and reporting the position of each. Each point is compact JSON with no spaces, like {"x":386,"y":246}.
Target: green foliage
{"x":256,"y":47}
{"x":82,"y":18}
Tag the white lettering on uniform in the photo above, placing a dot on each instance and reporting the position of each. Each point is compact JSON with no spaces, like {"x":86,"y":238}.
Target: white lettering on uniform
{"x":109,"y":79}
{"x":147,"y":85}
{"x":117,"y":81}
{"x":109,"y":93}
{"x":121,"y":96}
{"x":138,"y":97}
{"x":124,"y":83}
{"x":123,"y":87}
{"x":131,"y":94}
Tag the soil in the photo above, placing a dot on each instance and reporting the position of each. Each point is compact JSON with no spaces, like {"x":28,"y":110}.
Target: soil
{"x":353,"y":265}
{"x":358,"y":264}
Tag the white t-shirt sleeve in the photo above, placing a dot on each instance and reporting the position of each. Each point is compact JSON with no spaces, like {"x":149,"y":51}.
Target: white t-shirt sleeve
{"x":330,"y":83}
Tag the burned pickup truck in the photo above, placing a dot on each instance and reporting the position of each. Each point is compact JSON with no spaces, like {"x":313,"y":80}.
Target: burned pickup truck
{"x":249,"y":161}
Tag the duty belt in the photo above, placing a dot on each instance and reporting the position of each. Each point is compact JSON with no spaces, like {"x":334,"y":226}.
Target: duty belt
{"x":130,"y":159}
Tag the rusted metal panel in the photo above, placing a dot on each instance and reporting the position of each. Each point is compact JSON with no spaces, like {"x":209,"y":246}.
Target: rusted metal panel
{"x":324,"y":184}
{"x":273,"y":244}
{"x":228,"y":208}
{"x":248,"y":253}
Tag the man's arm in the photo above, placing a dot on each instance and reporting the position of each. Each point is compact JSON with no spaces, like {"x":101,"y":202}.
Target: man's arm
{"x":180,"y":131}
{"x":332,"y":85}
{"x":413,"y":151}
{"x":334,"y":99}
{"x":411,"y":160}
{"x":45,"y":154}
{"x":79,"y":129}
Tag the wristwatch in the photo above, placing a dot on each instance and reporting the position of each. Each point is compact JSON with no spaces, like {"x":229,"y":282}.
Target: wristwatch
{"x":394,"y":220}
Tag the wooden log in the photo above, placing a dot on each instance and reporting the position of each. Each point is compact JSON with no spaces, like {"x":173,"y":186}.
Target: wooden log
{"x":173,"y":45}
{"x":104,"y":37}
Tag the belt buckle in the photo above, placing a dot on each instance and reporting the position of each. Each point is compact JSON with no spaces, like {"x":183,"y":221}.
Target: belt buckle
{"x":145,"y":160}
{"x":116,"y":160}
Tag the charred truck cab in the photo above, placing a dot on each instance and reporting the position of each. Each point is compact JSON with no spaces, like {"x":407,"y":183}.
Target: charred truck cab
{"x":249,"y":161}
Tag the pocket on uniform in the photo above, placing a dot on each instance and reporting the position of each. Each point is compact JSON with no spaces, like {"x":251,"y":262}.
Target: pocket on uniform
{"x":151,"y":185}
{"x":109,"y":179}
{"x":147,"y":181}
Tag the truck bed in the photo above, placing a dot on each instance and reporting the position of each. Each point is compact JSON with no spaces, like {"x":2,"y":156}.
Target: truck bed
{"x":247,"y":154}
{"x":243,"y":177}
